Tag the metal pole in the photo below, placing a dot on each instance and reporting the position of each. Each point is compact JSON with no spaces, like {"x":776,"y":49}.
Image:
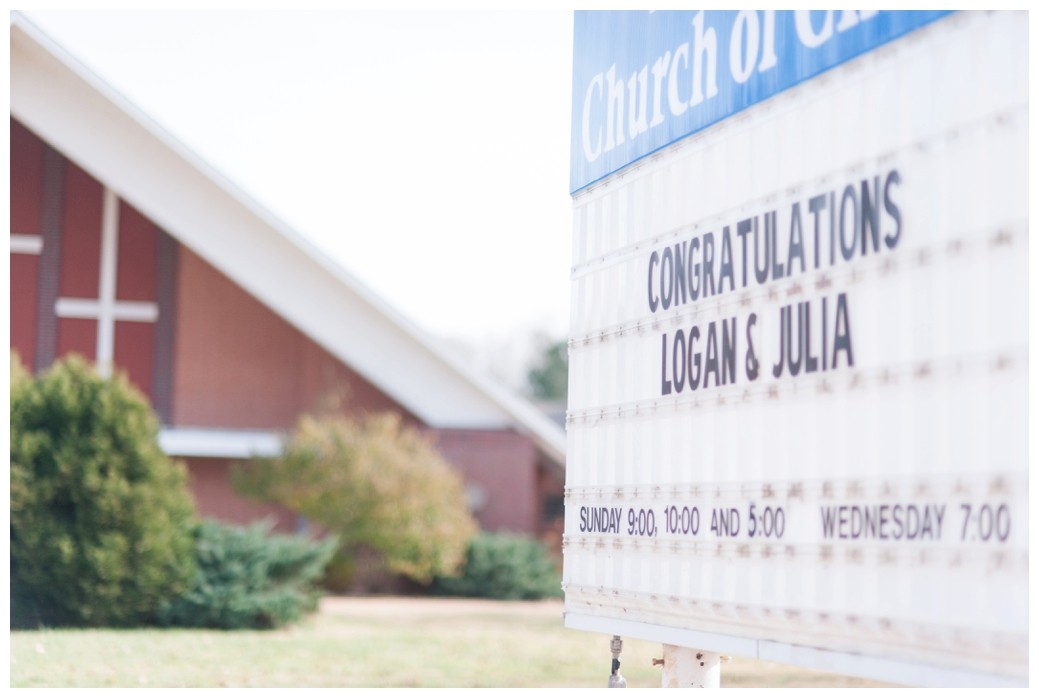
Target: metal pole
{"x":688,"y":668}
{"x":616,"y":680}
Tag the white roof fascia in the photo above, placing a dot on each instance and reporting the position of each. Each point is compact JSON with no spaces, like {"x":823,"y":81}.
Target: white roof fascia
{"x":80,"y":115}
{"x":220,"y":443}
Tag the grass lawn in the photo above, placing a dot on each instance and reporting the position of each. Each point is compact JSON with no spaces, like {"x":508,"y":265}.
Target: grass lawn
{"x":368,"y":642}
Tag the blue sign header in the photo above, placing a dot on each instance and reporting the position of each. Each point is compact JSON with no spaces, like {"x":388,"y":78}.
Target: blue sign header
{"x":643,"y":80}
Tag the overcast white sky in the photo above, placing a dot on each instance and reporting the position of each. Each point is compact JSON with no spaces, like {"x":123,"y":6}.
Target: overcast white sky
{"x":426,"y":152}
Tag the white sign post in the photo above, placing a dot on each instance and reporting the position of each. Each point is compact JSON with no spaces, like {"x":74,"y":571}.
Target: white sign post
{"x":797,"y":424}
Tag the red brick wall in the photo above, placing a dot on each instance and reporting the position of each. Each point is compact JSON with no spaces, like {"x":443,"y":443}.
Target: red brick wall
{"x":24,"y":279}
{"x":26,"y":180}
{"x":239,"y":365}
{"x":26,"y":204}
{"x":503,"y":465}
{"x":81,"y":234}
{"x":215,"y":498}
{"x":551,"y":483}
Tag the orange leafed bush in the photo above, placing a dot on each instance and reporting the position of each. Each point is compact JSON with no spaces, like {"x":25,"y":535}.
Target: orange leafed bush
{"x":377,"y":484}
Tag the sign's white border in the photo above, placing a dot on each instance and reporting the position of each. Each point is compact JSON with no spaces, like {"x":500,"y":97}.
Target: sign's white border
{"x":892,"y":671}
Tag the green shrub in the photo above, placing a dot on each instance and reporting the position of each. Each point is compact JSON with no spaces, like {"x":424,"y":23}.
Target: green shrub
{"x":377,"y":484}
{"x":101,"y":519}
{"x":504,"y":566}
{"x":248,"y":578}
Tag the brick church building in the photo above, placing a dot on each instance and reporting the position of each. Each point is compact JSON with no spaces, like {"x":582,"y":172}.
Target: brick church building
{"x":129,"y":250}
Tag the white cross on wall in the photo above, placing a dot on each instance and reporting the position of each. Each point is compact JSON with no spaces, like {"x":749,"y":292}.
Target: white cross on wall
{"x":106,"y":309}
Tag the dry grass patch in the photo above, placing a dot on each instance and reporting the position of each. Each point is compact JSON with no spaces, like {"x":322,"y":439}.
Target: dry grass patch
{"x":368,"y":642}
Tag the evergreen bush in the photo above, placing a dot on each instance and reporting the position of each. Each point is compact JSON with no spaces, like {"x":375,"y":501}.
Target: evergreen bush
{"x":504,"y":566}
{"x":101,"y":519}
{"x":248,"y":578}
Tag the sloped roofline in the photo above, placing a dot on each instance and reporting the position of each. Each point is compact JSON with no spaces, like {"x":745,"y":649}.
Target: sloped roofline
{"x":68,"y":105}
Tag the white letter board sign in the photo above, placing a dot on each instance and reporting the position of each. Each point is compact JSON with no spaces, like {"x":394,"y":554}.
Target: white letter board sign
{"x":797,"y":420}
